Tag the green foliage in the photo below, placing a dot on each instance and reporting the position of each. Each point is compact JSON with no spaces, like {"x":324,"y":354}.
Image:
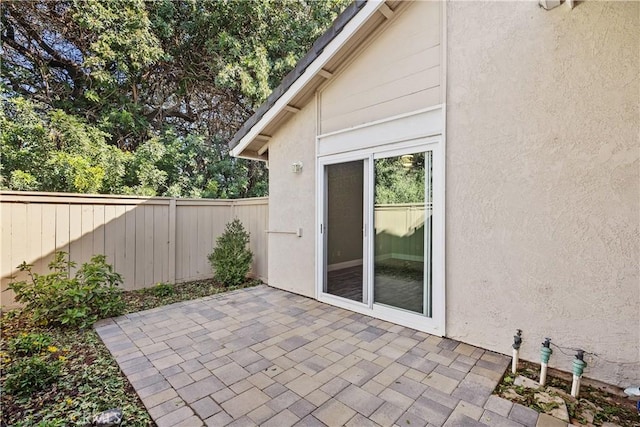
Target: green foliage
{"x":31,"y":343}
{"x":72,"y":301}
{"x":55,"y":151}
{"x":400,"y":181}
{"x":29,"y":375}
{"x":178,"y":77}
{"x":89,"y":380}
{"x":231,"y":259}
{"x":162,"y":290}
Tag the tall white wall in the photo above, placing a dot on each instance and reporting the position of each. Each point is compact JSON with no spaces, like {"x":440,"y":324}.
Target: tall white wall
{"x":543,"y":180}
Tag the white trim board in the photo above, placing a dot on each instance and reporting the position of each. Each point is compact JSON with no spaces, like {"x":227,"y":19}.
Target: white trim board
{"x":406,"y":127}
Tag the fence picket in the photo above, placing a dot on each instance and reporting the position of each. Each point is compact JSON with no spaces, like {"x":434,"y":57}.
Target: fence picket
{"x":147,"y":240}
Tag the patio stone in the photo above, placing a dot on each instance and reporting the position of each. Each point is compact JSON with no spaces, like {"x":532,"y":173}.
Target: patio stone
{"x":387,"y":414}
{"x":468,"y":410}
{"x":302,"y":408}
{"x":261,"y":414}
{"x":230,"y":373}
{"x":410,"y":419}
{"x":205,"y":407}
{"x":285,"y":418}
{"x":300,"y":362}
{"x":310,"y":421}
{"x":283,"y":401}
{"x":160,"y":397}
{"x":499,"y":405}
{"x":303,"y":385}
{"x":408,"y":387}
{"x":166,"y":408}
{"x":430,"y":411}
{"x":440,"y":382}
{"x":334,"y":413}
{"x":245,"y":402}
{"x":523,"y":415}
{"x":360,"y":421}
{"x":175,"y":417}
{"x":360,"y":400}
{"x":493,"y":419}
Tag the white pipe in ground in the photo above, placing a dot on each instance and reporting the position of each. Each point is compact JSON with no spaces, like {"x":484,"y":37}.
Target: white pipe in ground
{"x":514,"y":361}
{"x":575,"y":386}
{"x":543,"y":373}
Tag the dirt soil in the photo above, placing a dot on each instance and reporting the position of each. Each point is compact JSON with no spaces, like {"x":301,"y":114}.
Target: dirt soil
{"x":597,"y":403}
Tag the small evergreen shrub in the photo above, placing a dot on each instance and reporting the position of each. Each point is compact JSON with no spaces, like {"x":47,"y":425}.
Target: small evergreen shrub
{"x":231,"y":259}
{"x":60,"y":299}
{"x":31,"y":374}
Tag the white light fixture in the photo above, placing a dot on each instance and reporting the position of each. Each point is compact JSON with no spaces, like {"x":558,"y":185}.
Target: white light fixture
{"x":296,"y":167}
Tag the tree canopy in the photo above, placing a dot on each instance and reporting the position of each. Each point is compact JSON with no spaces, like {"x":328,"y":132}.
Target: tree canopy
{"x":137,"y":97}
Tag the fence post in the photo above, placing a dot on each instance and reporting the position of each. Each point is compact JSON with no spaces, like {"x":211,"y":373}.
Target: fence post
{"x":172,"y":240}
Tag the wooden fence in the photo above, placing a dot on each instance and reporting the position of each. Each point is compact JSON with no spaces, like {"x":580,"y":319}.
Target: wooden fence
{"x":147,"y":240}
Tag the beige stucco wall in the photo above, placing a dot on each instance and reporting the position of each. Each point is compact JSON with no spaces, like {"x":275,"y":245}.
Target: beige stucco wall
{"x":397,"y":72}
{"x":292,"y":204}
{"x":543,"y":196}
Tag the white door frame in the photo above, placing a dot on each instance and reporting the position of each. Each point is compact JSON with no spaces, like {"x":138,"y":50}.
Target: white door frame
{"x":434,"y":324}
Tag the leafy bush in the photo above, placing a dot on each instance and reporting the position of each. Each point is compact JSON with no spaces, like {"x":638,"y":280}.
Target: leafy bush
{"x":162,"y":290}
{"x":27,"y":344}
{"x":231,"y":259}
{"x":29,"y":375}
{"x":79,"y":301}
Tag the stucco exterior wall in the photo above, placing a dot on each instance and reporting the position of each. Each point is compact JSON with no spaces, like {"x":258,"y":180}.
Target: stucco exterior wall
{"x":292,"y":204}
{"x":543,"y":180}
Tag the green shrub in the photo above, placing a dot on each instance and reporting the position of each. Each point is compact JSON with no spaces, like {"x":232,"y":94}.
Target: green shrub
{"x":29,"y":375}
{"x":79,"y":301}
{"x":162,"y":290}
{"x":27,"y":344}
{"x":231,"y":259}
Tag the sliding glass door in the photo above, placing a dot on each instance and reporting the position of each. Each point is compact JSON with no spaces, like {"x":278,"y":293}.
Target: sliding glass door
{"x":345,"y":269}
{"x":377,"y":233}
{"x":402,"y":225}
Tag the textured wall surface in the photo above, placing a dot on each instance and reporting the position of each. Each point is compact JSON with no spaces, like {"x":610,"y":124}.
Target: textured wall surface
{"x":543,"y":174}
{"x":399,"y":72}
{"x":292,"y":204}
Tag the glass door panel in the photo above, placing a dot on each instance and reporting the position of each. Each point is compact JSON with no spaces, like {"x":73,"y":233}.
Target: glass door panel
{"x":344,"y":219}
{"x":402,"y":225}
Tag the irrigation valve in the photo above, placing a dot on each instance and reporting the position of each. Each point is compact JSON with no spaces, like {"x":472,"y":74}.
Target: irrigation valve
{"x":545,"y":354}
{"x":578,"y":367}
{"x":517,"y":341}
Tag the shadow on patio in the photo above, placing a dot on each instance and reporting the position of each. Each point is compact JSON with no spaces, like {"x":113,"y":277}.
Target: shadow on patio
{"x":261,"y":356}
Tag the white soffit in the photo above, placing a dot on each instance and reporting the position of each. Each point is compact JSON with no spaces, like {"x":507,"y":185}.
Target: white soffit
{"x":312,"y":70}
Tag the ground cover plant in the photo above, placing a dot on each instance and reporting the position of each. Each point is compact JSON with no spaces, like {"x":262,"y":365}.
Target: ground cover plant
{"x":55,"y":374}
{"x":595,"y":405}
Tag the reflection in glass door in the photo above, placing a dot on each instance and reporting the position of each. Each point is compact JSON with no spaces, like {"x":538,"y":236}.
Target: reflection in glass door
{"x":403,"y":229}
{"x":344,"y":272}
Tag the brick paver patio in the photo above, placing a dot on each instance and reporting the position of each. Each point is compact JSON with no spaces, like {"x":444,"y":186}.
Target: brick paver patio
{"x":261,"y":356}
